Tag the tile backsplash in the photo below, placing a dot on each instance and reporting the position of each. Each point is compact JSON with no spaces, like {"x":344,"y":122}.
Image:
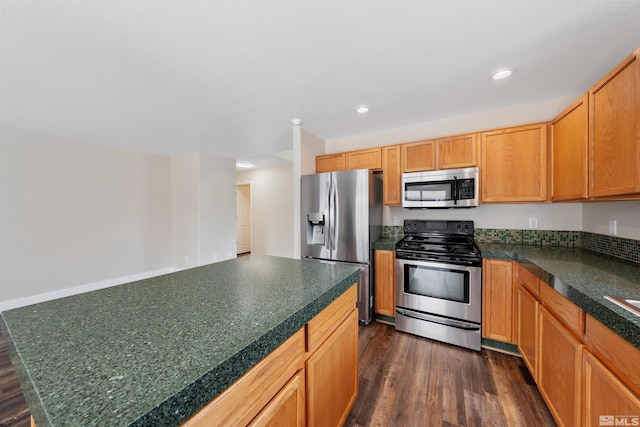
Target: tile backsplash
{"x":627,"y":249}
{"x":528,"y":237}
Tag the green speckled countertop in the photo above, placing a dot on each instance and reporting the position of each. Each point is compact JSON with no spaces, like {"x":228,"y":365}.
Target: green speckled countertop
{"x":584,"y":277}
{"x":153,"y":352}
{"x":386,"y":243}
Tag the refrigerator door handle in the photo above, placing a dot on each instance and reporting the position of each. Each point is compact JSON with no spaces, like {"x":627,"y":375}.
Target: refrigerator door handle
{"x":332,"y":216}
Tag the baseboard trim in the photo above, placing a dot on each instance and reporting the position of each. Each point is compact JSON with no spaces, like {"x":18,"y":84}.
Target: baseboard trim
{"x":61,"y":293}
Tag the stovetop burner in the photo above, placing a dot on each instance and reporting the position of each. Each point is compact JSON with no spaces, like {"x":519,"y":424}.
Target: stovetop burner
{"x":445,"y":241}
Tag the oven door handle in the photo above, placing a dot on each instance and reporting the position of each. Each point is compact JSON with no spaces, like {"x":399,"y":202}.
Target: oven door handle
{"x":441,"y":320}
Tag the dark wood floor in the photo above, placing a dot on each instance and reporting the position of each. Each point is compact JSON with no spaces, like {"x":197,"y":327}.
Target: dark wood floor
{"x":404,"y":381}
{"x":411,"y":381}
{"x":13,"y":408}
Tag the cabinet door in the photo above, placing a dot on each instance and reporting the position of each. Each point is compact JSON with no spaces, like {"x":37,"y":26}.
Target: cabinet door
{"x":614,"y":142}
{"x":392,"y":178}
{"x":606,"y":401}
{"x":513,"y":165}
{"x":528,"y":329}
{"x":457,"y":152}
{"x":365,"y":159}
{"x":287,"y":408}
{"x":332,"y":376}
{"x":620,"y":355}
{"x":418,"y":156}
{"x":497,"y":300}
{"x":560,"y":370}
{"x":385,"y":282}
{"x":569,"y":159}
{"x":330,"y":163}
{"x":251,"y":393}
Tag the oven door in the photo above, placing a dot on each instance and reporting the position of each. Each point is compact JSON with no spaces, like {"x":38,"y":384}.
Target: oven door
{"x":453,"y":291}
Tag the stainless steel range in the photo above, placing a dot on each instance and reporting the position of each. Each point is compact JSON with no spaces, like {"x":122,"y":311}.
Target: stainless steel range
{"x":439,"y":282}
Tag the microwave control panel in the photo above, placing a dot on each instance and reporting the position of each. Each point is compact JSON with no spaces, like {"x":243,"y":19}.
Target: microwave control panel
{"x":466,"y":188}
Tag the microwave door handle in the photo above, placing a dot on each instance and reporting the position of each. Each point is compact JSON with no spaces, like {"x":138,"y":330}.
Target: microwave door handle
{"x":456,"y":191}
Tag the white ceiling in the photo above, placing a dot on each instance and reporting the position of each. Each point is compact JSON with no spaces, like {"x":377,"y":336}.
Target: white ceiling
{"x":228,"y":76}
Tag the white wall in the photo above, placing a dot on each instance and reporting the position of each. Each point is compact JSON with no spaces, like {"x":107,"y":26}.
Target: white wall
{"x":217,"y":208}
{"x":486,"y":120}
{"x":204,"y":209}
{"x":551,"y":216}
{"x":271,"y":210}
{"x":596,"y":217}
{"x":73,"y":213}
{"x":185,"y":185}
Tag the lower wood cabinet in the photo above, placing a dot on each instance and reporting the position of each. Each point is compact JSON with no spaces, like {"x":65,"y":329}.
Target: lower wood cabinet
{"x":498,"y":297}
{"x":559,"y":369}
{"x":606,"y":399}
{"x":332,"y":376}
{"x":287,"y":408}
{"x":385,"y":282}
{"x":587,"y":374}
{"x":528,"y":329}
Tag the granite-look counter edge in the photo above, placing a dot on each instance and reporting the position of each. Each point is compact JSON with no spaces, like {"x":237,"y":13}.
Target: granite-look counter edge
{"x":155,"y":351}
{"x":584,"y":277}
{"x":385,"y":243}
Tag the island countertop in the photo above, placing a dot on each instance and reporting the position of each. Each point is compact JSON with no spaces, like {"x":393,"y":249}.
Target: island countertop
{"x":155,"y":351}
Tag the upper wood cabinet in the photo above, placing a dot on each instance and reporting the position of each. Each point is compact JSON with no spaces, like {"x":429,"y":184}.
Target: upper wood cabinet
{"x":569,"y":158}
{"x":614,"y":140}
{"x":444,"y":153}
{"x":498,"y":298}
{"x":457,"y":151}
{"x":513,"y":164}
{"x":418,"y":156}
{"x":392,"y":182}
{"x":330,"y":163}
{"x":364,"y":159}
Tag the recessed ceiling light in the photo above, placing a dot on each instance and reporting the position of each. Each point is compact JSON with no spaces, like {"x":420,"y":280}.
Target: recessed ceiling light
{"x":502,"y":74}
{"x":244,"y":165}
{"x":363,"y":109}
{"x":296,"y":122}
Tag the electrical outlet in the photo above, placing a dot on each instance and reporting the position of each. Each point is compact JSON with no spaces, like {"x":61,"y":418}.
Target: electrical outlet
{"x":186,"y":259}
{"x":613,"y":227}
{"x":396,"y":221}
{"x":533,"y":222}
{"x":215,"y":257}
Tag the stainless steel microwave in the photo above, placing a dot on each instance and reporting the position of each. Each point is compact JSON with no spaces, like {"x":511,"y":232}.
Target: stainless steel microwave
{"x":451,"y":188}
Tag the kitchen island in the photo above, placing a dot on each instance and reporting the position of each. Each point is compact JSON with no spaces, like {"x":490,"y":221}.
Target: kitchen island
{"x":156,"y":351}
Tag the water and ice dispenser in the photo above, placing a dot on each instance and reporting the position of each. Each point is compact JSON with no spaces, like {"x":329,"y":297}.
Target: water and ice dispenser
{"x":315,"y":229}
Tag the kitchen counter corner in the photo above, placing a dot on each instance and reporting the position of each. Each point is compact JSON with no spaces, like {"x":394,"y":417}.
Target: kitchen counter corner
{"x":157,"y":350}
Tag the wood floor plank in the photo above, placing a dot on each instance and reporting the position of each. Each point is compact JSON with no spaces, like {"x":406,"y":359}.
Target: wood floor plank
{"x":13,"y":408}
{"x":428,"y":383}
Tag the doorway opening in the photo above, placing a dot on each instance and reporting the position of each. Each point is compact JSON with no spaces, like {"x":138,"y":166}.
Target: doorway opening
{"x":243,"y":219}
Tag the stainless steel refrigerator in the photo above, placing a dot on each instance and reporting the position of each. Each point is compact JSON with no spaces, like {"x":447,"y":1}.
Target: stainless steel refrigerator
{"x":341,"y":214}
